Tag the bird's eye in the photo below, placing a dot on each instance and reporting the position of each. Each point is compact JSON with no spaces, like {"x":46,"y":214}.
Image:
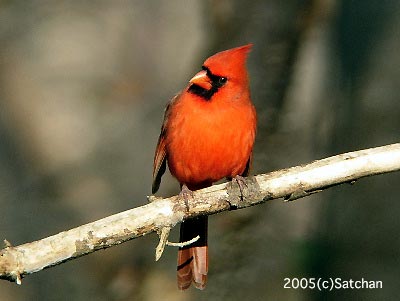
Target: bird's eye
{"x":222,"y":80}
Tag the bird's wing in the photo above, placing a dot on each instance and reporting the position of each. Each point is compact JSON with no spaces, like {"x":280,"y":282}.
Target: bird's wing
{"x":246,"y":171}
{"x":160,"y":156}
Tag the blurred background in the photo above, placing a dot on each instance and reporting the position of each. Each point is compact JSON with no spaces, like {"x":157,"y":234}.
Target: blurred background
{"x":83,"y":85}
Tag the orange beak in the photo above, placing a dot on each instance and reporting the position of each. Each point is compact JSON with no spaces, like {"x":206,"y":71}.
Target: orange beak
{"x":202,"y":80}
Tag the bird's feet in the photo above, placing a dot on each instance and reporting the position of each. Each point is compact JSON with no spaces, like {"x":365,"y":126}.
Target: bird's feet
{"x":241,"y":182}
{"x":186,"y":194}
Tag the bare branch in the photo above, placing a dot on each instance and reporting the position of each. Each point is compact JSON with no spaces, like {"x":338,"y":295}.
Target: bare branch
{"x":290,"y":184}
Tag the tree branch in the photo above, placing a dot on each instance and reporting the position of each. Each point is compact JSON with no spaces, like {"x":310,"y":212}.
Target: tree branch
{"x":290,"y":184}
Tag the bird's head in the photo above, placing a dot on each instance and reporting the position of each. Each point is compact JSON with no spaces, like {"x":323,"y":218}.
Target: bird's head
{"x":225,"y":68}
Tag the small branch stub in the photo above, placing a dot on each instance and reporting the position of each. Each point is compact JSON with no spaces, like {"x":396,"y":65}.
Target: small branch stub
{"x":164,"y":233}
{"x":18,"y":279}
{"x":7,"y":243}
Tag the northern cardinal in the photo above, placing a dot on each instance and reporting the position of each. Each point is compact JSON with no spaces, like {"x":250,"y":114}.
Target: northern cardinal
{"x":207,"y":135}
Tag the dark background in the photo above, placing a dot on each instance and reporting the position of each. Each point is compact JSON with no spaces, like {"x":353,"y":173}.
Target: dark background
{"x":83,"y":85}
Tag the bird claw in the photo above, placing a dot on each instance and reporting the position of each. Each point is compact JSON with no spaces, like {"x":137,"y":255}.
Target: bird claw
{"x":186,"y":194}
{"x":241,"y":182}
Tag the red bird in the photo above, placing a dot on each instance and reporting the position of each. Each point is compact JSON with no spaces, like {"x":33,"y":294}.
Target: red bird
{"x":208,"y":134}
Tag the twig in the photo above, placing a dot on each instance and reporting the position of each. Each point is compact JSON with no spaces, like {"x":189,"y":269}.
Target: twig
{"x":184,"y":243}
{"x":163,"y":241}
{"x":290,"y":184}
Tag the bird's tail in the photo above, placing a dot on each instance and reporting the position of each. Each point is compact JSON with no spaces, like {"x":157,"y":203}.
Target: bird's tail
{"x":193,"y":259}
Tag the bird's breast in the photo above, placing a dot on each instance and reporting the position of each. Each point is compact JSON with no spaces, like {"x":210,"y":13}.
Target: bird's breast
{"x":209,"y":141}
